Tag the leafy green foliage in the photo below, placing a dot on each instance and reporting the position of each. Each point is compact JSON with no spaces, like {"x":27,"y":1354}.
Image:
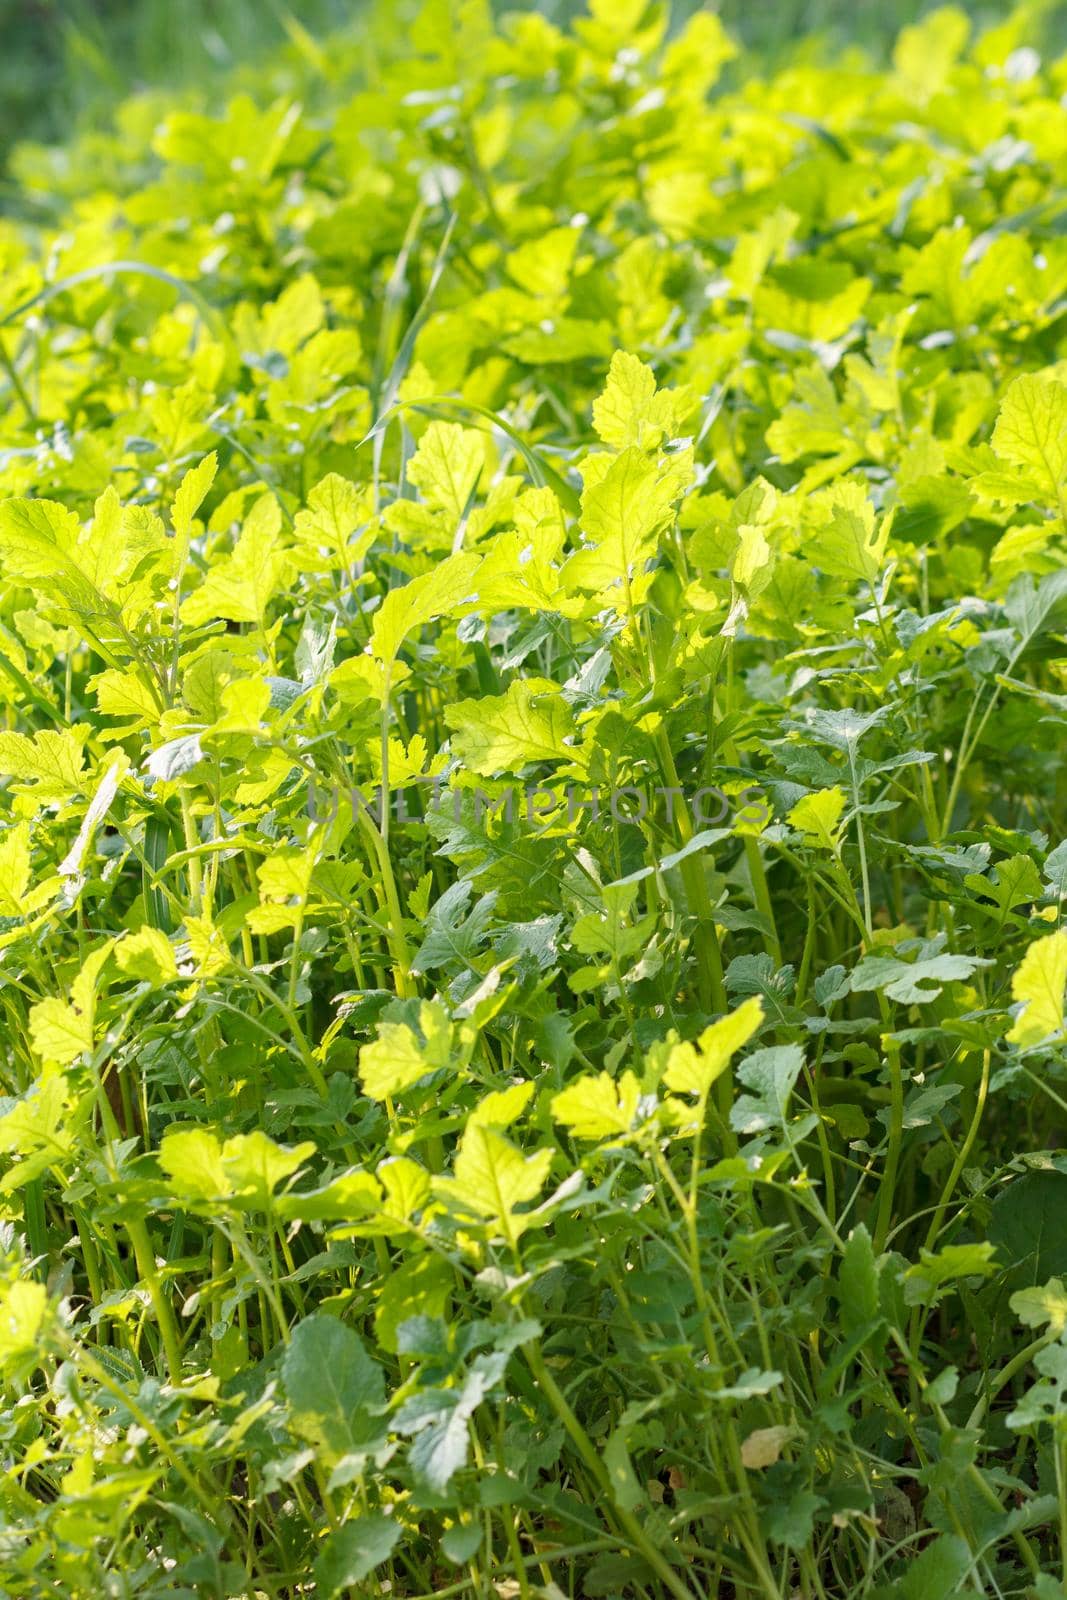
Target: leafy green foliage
{"x":532,"y":617}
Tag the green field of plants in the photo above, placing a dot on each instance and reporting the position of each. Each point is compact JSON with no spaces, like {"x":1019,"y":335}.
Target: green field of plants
{"x":533,"y":829}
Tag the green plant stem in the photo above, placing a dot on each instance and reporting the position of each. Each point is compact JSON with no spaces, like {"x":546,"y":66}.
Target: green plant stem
{"x":1011,"y":1369}
{"x":627,"y":1522}
{"x":398,"y":943}
{"x":192,"y":841}
{"x":964,"y":1152}
{"x":149,"y":1273}
{"x":887,"y":1194}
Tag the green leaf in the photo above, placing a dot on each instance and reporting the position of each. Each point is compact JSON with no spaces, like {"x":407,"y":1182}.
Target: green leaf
{"x":1031,"y":608}
{"x":913,"y":982}
{"x":333,"y":1387}
{"x":703,"y":840}
{"x":461,"y":1542}
{"x":791,"y":1521}
{"x":857,"y":1283}
{"x":352,"y":1552}
{"x":938,"y":1572}
{"x":1025,"y":1226}
{"x":454,"y":934}
{"x":440,"y":1419}
{"x":770,"y":1074}
{"x":421,"y":1287}
{"x":626,"y":1491}
{"x":926,"y":1281}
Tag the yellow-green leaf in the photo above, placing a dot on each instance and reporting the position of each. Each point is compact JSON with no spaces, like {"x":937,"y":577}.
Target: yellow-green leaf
{"x":753,"y":560}
{"x":621,"y":514}
{"x":818,"y":816}
{"x":59,"y":1032}
{"x":336,"y":527}
{"x":1031,"y":432}
{"x":846,"y":540}
{"x":1039,"y":984}
{"x":447,"y":465}
{"x":631,"y":411}
{"x":191,"y":491}
{"x":14,"y":869}
{"x":53,"y":761}
{"x":124,"y":694}
{"x":147,"y":955}
{"x":399,"y":1057}
{"x":693,"y":1069}
{"x":501,"y":733}
{"x":491,"y":1177}
{"x":240,"y":587}
{"x":596,"y":1106}
{"x":431,"y":595}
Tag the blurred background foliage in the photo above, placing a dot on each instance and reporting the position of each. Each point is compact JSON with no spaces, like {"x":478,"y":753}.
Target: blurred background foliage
{"x":64,"y":63}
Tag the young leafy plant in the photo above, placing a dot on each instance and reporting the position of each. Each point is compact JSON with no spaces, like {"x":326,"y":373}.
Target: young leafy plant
{"x":532,"y":843}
